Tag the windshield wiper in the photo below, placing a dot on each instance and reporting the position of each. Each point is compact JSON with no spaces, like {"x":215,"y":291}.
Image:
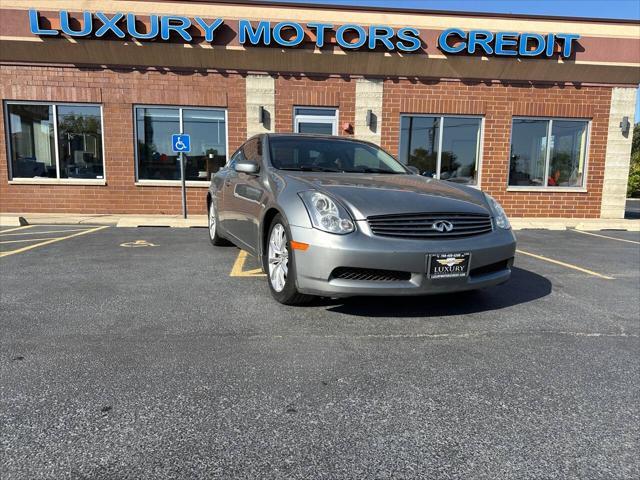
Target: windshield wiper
{"x":372,"y":170}
{"x":311,"y":169}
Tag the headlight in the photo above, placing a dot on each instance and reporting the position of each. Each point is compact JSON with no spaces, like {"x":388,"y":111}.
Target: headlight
{"x":326,"y":214}
{"x":501,"y":217}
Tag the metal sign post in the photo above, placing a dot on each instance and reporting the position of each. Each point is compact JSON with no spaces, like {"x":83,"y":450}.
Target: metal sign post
{"x":181,"y":144}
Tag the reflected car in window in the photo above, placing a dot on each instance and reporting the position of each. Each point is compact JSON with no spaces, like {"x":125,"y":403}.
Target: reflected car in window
{"x":335,"y":217}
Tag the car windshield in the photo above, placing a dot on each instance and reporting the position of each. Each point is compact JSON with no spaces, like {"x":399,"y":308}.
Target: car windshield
{"x":312,"y":154}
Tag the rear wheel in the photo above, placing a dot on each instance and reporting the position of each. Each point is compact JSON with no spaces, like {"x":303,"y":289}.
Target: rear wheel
{"x":215,"y":239}
{"x":281,"y":271}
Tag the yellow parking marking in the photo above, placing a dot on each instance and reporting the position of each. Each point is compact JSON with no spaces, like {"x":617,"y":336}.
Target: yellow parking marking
{"x":14,"y":229}
{"x":50,"y":241}
{"x":238,"y":267}
{"x":42,"y":233}
{"x":567,"y":265}
{"x":605,"y":236}
{"x":25,"y":240}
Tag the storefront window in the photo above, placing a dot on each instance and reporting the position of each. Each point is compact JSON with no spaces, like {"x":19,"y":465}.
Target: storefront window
{"x":33,"y":129}
{"x":80,"y":141}
{"x":548,"y":153}
{"x":322,"y":121}
{"x":442,"y":147}
{"x":156,"y":125}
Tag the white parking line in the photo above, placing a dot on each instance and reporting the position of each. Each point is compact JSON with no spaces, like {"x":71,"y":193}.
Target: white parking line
{"x":605,"y":236}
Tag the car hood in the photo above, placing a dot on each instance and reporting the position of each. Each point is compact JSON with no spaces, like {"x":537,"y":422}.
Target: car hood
{"x":379,"y":194}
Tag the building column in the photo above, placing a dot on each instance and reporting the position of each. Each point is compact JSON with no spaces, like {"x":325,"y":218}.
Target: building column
{"x":618,"y":156}
{"x":261,"y":92}
{"x":368,"y":97}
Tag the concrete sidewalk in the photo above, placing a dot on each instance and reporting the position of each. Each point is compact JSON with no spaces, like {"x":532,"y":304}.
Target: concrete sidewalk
{"x":115,"y":220}
{"x":177,"y":221}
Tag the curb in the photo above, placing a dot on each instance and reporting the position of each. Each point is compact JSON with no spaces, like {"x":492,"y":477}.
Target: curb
{"x":12,"y":221}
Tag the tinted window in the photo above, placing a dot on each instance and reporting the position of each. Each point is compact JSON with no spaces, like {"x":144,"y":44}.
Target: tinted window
{"x":540,"y":160}
{"x":252,"y":150}
{"x":300,"y":153}
{"x":156,"y":125}
{"x":32,"y":142}
{"x":443,"y":147}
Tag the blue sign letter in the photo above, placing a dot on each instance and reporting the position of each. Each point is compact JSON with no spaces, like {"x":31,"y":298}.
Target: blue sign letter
{"x":480,"y":38}
{"x":410,"y":35}
{"x":133,"y":31}
{"x":443,"y":40}
{"x":362,"y":36}
{"x":524,"y":44}
{"x":34,"y":25}
{"x":86,"y":28}
{"x":382,"y":33}
{"x":181,"y":28}
{"x":277,"y":34}
{"x":568,"y":42}
{"x":209,"y":29}
{"x":503,"y":40}
{"x":320,"y":29}
{"x":109,"y":24}
{"x":263,"y":31}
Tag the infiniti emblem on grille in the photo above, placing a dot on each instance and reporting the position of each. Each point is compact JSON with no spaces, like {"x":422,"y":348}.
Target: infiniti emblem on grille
{"x":442,"y":226}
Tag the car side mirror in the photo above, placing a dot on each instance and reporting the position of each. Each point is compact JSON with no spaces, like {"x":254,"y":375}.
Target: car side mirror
{"x":247,"y":167}
{"x":413,"y":169}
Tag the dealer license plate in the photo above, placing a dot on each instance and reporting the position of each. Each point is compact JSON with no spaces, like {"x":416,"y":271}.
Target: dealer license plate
{"x":448,"y":265}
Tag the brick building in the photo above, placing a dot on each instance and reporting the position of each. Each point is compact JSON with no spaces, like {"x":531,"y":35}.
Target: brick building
{"x":533,"y":110}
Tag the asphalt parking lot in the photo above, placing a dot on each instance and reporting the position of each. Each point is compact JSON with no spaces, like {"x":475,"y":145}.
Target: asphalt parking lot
{"x":147,"y":353}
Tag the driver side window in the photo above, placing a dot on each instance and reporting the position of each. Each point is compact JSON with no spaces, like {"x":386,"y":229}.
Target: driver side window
{"x":252,"y":150}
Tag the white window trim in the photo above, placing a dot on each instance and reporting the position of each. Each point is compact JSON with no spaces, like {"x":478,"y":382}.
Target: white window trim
{"x":46,"y":180}
{"x":142,"y":182}
{"x":297,"y":119}
{"x":546,"y":188}
{"x":480,"y":146}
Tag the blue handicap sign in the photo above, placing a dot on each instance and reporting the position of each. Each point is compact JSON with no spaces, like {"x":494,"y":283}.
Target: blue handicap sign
{"x":181,"y":143}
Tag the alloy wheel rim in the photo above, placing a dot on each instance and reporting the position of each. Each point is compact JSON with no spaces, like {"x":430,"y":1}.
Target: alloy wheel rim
{"x":278,"y":258}
{"x":212,"y":221}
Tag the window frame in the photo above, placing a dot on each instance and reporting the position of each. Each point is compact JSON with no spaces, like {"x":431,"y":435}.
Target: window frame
{"x":141,"y":182}
{"x":45,"y":180}
{"x":325,"y":119}
{"x":441,"y":117}
{"x":547,"y":162}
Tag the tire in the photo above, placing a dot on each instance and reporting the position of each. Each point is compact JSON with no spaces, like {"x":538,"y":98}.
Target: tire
{"x":281,"y":276}
{"x":212,"y":218}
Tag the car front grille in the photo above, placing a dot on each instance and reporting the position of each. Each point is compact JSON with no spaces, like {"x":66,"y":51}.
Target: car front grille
{"x":421,"y":225}
{"x":370,"y":274}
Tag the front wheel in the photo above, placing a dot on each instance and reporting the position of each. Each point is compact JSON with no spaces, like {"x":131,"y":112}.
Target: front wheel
{"x":281,"y":271}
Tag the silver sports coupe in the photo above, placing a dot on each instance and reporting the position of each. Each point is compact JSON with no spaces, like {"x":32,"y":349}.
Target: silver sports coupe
{"x":335,"y":217}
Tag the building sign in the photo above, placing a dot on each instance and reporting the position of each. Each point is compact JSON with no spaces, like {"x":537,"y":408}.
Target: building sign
{"x":512,"y":44}
{"x":292,"y":34}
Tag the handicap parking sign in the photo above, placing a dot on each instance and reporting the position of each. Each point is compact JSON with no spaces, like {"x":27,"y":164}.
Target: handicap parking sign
{"x":181,"y":143}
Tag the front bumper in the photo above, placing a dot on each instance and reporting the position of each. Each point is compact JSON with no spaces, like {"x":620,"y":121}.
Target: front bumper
{"x":361,"y":249}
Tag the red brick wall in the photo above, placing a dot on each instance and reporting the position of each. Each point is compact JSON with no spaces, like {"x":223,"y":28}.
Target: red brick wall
{"x":498,"y":104}
{"x":117,"y":91}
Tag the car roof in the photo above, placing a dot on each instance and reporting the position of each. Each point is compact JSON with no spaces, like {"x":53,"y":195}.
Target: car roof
{"x":314,"y":135}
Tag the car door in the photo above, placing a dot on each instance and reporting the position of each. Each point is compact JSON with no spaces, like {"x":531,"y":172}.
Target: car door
{"x":244,"y":195}
{"x":222,"y":187}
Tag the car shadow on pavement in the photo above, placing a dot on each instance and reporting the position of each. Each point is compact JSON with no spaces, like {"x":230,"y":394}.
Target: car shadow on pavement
{"x":524,"y":286}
